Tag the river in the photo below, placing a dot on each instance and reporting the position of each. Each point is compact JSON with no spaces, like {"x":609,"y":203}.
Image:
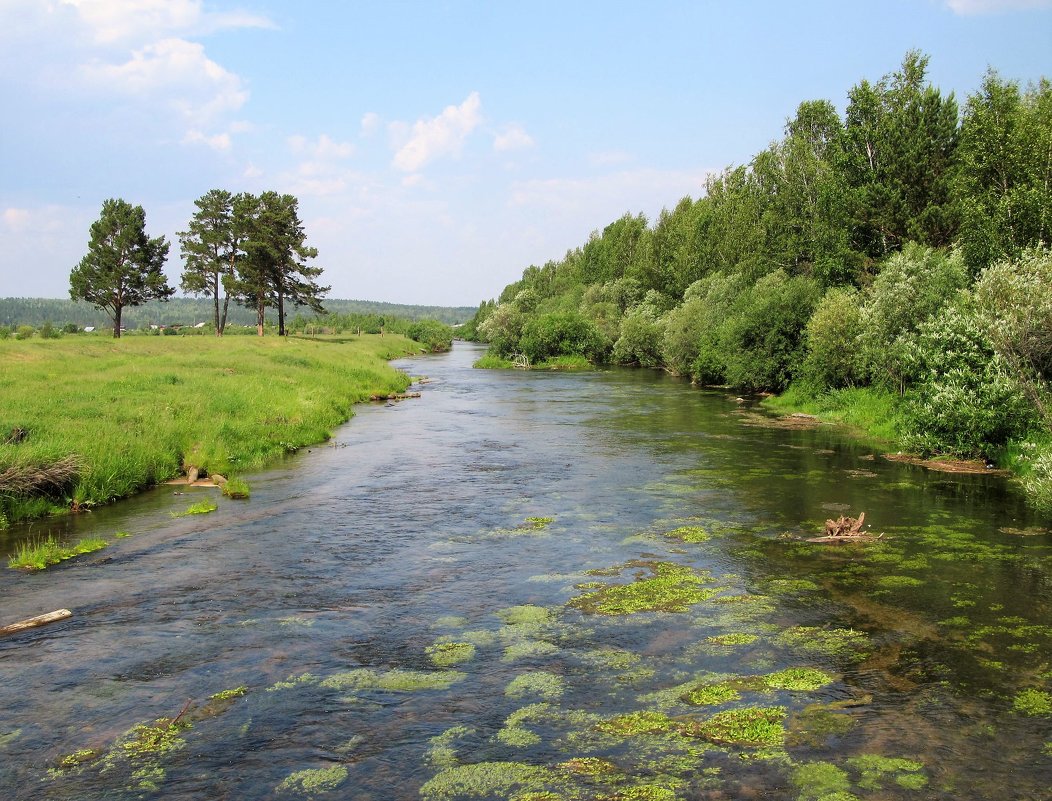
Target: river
{"x":544,"y":586}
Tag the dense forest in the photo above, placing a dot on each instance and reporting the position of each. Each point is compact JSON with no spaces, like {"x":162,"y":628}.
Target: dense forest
{"x":190,"y":311}
{"x":892,"y":257}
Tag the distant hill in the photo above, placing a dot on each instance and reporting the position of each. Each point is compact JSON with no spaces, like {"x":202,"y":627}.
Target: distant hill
{"x":188,"y":311}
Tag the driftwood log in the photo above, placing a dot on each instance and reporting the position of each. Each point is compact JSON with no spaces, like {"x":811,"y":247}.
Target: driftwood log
{"x":845,"y":529}
{"x":34,"y":622}
{"x":395,"y":396}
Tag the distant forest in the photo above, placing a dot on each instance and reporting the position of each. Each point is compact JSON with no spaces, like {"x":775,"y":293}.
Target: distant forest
{"x":189,"y":311}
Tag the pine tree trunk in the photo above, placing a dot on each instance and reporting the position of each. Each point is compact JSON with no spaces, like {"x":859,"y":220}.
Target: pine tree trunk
{"x":222,"y":320}
{"x":260,"y":313}
{"x":215,"y":298}
{"x":281,"y":314}
{"x":117,"y":322}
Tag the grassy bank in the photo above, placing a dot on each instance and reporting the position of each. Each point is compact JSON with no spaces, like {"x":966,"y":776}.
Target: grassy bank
{"x":84,"y":421}
{"x":872,"y":413}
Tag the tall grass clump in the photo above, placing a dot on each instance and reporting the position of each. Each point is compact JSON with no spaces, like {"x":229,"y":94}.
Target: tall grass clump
{"x":141,"y":410}
{"x":237,"y":489}
{"x":40,"y":554}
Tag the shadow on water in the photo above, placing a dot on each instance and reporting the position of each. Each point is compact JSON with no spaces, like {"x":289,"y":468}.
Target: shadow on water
{"x":544,"y":586}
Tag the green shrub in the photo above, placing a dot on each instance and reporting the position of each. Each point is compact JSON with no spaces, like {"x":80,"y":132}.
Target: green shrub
{"x":965,"y":402}
{"x":762,"y":340}
{"x":24,"y":332}
{"x":561,"y":334}
{"x":640,"y":340}
{"x":832,"y":360}
{"x":502,"y":329}
{"x":5,"y":332}
{"x":911,"y":288}
{"x":435,"y":336}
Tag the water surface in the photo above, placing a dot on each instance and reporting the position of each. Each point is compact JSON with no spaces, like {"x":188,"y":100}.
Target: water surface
{"x":399,"y":608}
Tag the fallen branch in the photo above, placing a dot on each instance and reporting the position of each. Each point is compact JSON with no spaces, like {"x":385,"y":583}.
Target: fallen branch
{"x":35,"y":622}
{"x":395,"y":396}
{"x":845,"y":529}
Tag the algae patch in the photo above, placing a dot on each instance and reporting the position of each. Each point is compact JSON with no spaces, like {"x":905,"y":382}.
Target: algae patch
{"x":669,"y":588}
{"x":447,"y":654}
{"x":392,"y":680}
{"x":315,"y":780}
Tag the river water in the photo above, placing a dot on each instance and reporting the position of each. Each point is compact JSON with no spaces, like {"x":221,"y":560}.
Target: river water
{"x":544,"y":586}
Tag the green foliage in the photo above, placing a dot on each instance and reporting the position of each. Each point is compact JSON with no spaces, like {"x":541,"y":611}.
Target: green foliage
{"x":753,"y":726}
{"x":911,"y":288}
{"x":199,"y":508}
{"x":640,"y":340}
{"x":435,"y":336}
{"x":1033,"y":703}
{"x":965,"y":402}
{"x":446,"y":654}
{"x":561,"y":334}
{"x":1004,"y":182}
{"x":24,"y":332}
{"x":237,"y":489}
{"x":762,"y":341}
{"x":40,"y":554}
{"x":832,"y":334}
{"x":821,"y":781}
{"x":671,"y":588}
{"x":123,"y":267}
{"x":316,"y":780}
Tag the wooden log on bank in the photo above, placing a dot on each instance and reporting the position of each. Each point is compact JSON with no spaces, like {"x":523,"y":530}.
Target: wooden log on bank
{"x":35,"y":622}
{"x":394,"y":396}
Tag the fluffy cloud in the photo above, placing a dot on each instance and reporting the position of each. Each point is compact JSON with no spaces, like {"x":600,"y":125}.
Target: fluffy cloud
{"x":370,"y":123}
{"x":512,"y":137}
{"x":199,"y":88}
{"x":443,"y":135}
{"x":135,"y":21}
{"x":324,"y":149}
{"x":974,"y":7}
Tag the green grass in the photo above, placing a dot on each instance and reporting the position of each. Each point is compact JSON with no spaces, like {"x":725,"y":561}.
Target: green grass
{"x":40,"y":554}
{"x":875,"y":413}
{"x":138,"y":410}
{"x":237,"y":489}
{"x":199,"y":508}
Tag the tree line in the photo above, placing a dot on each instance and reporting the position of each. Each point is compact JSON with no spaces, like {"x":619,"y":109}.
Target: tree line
{"x":898,"y":248}
{"x":245,"y":247}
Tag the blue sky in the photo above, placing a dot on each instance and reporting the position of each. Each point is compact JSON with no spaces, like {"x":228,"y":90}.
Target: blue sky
{"x":436,"y":148}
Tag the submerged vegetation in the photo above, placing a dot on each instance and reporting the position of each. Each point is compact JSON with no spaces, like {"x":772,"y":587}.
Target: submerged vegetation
{"x":118,"y":417}
{"x":40,"y":554}
{"x":888,"y":268}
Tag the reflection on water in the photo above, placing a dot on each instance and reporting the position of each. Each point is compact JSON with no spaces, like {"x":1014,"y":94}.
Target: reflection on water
{"x":544,"y":586}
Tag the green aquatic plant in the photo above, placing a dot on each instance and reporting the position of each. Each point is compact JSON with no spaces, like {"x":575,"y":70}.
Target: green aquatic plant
{"x":392,"y":680}
{"x":447,"y":654}
{"x":874,"y":770}
{"x":199,"y":508}
{"x":693,"y":534}
{"x":898,"y":582}
{"x":1033,"y":703}
{"x":225,"y":695}
{"x":589,"y":766}
{"x":798,"y":679}
{"x":539,"y":683}
{"x":632,"y":723}
{"x":292,"y":681}
{"x":524,"y":615}
{"x":122,"y":534}
{"x":815,"y":724}
{"x":449,"y":622}
{"x":518,"y":736}
{"x":237,"y":489}
{"x":314,"y":780}
{"x":539,"y":523}
{"x":712,"y":694}
{"x":528,"y":649}
{"x":792,"y":586}
{"x":733,"y":639}
{"x":443,"y":747}
{"x":78,"y":758}
{"x":40,"y":554}
{"x":153,"y":739}
{"x":821,"y":781}
{"x":834,"y":642}
{"x":10,"y":737}
{"x":670,"y":588}
{"x":645,"y":792}
{"x":484,"y":779}
{"x":749,"y":726}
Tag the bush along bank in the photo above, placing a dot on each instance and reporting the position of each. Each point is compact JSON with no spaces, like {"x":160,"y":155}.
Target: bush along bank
{"x":867,"y":265}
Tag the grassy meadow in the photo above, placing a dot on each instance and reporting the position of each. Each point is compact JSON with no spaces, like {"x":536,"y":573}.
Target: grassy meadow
{"x":87,"y":420}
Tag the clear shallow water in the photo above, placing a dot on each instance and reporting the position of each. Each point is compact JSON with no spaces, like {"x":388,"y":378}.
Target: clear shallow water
{"x":322,"y":595}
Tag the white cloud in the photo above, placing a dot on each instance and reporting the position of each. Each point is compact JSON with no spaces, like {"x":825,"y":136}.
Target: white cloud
{"x":178,"y":70}
{"x":251,"y":171}
{"x":216,"y":141}
{"x":370,"y":123}
{"x":324,"y":149}
{"x":135,"y":21}
{"x":443,"y":135}
{"x":976,"y":7}
{"x":513,"y":137}
{"x":15,"y":219}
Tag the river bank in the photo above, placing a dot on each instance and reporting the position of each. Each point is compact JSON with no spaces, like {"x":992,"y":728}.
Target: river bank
{"x":85,"y":421}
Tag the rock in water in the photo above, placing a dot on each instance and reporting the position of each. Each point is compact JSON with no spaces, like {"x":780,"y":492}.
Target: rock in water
{"x":218,"y":480}
{"x":192,"y":474}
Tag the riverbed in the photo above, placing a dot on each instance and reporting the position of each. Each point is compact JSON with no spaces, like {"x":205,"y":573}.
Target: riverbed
{"x":544,"y":586}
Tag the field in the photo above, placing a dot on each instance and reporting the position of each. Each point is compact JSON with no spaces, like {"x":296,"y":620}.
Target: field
{"x":87,"y":420}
